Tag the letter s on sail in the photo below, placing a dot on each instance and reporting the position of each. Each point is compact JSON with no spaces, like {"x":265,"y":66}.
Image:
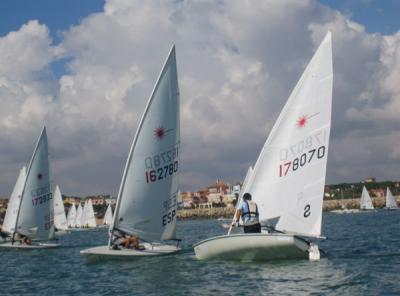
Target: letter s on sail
{"x":307,"y":211}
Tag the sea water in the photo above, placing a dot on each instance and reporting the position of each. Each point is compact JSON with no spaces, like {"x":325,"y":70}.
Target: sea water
{"x":363,"y":258}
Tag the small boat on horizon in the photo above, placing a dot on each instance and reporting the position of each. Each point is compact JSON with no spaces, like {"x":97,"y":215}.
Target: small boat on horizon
{"x":366,"y":201}
{"x":391,"y":203}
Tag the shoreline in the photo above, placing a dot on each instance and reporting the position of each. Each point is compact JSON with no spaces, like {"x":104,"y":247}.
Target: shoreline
{"x":228,"y":212}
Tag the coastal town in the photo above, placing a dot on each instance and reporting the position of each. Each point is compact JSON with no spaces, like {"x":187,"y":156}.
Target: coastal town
{"x":219,"y":199}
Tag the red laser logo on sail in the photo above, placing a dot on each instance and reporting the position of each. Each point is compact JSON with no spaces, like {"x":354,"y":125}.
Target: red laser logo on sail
{"x":303,"y":120}
{"x":160,"y":132}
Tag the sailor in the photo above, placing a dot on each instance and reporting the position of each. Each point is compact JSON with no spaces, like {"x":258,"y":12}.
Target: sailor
{"x":248,"y":210}
{"x":126,"y":241}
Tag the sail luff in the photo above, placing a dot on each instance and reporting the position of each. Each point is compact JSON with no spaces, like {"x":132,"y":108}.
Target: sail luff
{"x":135,"y":139}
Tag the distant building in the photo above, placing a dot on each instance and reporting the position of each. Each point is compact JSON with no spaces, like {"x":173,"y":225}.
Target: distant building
{"x":369,"y":180}
{"x":378,"y":192}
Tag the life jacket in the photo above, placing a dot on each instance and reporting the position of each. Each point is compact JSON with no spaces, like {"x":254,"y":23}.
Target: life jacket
{"x":252,"y":212}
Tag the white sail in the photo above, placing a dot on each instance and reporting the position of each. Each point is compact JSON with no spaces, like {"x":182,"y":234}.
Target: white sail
{"x":79,"y":214}
{"x":10,"y":218}
{"x":35,"y":218}
{"x":289,"y":176}
{"x":60,"y":221}
{"x":366,"y":201}
{"x":390,"y":200}
{"x":147,"y":199}
{"x":108,"y":216}
{"x":246,"y":182}
{"x":89,"y":220}
{"x":71,"y":217}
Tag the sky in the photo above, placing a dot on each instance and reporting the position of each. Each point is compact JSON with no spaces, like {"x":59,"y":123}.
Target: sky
{"x":85,"y":69}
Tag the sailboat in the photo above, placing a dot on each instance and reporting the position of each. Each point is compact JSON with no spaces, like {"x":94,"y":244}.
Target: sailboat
{"x":88,"y":219}
{"x":35,"y":212}
{"x":288,"y":178}
{"x":366,"y":201}
{"x":391,"y":203}
{"x":10,"y":218}
{"x":60,"y":220}
{"x":147,"y":200}
{"x":71,"y":217}
{"x":108,"y":216}
{"x":343,"y":207}
{"x":79,"y":215}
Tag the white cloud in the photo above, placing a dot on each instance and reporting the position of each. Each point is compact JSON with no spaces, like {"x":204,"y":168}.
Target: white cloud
{"x":237,"y":63}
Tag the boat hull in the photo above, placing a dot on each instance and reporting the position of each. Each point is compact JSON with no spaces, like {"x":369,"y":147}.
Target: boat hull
{"x":104,"y":252}
{"x":34,"y":246}
{"x":252,"y":247}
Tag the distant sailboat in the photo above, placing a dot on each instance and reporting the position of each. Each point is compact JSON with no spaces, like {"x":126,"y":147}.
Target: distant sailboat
{"x":108,"y":216}
{"x":79,"y":215}
{"x":88,"y":218}
{"x":71,"y":217}
{"x":60,"y":221}
{"x":288,"y":178}
{"x":10,"y":218}
{"x":391,"y":203}
{"x":366,"y":201}
{"x":35,"y":213}
{"x":147,"y":199}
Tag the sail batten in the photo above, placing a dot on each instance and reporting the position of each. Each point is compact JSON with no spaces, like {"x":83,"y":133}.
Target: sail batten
{"x":147,"y":199}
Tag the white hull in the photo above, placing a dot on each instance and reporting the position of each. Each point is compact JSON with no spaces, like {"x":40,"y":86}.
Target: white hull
{"x":252,"y":247}
{"x":34,"y":245}
{"x":104,"y":252}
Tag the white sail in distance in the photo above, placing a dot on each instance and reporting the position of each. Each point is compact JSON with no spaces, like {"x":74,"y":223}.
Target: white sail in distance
{"x":89,"y":218}
{"x":79,"y":215}
{"x":71,"y":217}
{"x":246,"y":182}
{"x":366,"y":201}
{"x":147,"y":199}
{"x":10,"y":218}
{"x":35,"y":218}
{"x":289,"y":176}
{"x":108,"y":216}
{"x":390,"y":200}
{"x":60,"y":220}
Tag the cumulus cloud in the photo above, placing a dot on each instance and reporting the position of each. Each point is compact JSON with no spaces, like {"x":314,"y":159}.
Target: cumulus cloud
{"x":237,"y":64}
